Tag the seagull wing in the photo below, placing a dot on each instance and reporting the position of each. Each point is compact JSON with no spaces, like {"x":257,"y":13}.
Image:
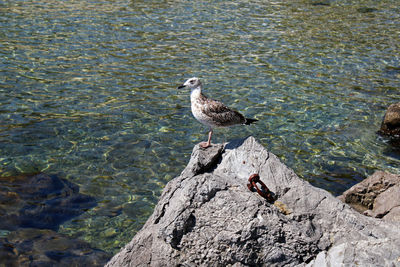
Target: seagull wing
{"x":221,"y":114}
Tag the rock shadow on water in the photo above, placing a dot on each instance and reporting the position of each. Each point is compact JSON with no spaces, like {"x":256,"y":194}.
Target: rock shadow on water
{"x":391,"y":145}
{"x":32,"y":207}
{"x":337,"y":177}
{"x":392,"y":148}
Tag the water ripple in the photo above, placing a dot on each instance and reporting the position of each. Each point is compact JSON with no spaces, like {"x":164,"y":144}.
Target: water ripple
{"x":88,"y":90}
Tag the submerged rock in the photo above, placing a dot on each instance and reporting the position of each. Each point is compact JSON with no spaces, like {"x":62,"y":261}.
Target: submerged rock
{"x":208,"y":217}
{"x":377,"y":196}
{"x":39,"y":201}
{"x":40,"y":247}
{"x":29,"y":202}
{"x":391,"y":121}
{"x":366,"y":9}
{"x":321,"y":3}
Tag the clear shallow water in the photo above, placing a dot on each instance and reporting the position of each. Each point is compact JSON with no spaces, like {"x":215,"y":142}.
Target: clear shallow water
{"x":88,"y":91}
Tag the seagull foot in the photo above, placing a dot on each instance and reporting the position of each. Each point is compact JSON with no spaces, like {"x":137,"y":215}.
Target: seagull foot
{"x":204,"y":144}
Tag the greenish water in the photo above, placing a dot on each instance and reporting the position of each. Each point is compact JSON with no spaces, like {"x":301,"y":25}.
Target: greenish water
{"x":88,"y":91}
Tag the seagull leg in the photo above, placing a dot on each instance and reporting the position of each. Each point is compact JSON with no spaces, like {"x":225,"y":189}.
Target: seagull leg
{"x":208,"y":143}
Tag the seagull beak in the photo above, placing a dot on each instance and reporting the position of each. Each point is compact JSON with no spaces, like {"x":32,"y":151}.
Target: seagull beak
{"x":181,"y":86}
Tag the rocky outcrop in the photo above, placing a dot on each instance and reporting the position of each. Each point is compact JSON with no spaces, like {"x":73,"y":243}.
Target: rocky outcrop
{"x":391,"y":121}
{"x":377,"y":196}
{"x":208,"y":217}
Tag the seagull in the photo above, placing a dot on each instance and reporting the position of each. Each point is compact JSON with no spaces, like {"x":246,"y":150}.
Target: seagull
{"x":211,"y":113}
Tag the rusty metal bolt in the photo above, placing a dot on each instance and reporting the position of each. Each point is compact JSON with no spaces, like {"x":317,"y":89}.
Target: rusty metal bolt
{"x":264,"y":191}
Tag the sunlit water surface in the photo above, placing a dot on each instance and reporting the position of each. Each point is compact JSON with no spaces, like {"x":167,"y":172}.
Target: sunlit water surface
{"x":88,"y":91}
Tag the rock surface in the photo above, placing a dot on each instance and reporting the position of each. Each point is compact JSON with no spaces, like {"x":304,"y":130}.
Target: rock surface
{"x":208,"y":217}
{"x":391,"y":121}
{"x":377,"y":196}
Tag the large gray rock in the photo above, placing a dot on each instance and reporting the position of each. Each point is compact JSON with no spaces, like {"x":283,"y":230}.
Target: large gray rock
{"x":208,"y":217}
{"x":377,"y":196}
{"x":391,"y":121}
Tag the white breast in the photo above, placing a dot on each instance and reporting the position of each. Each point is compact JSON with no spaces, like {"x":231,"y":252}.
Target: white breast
{"x":197,"y":107}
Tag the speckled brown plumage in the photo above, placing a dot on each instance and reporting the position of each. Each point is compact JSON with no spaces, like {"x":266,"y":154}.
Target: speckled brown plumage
{"x":215,"y":113}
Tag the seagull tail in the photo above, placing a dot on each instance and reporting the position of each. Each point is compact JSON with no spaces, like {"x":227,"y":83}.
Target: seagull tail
{"x":250,"y":121}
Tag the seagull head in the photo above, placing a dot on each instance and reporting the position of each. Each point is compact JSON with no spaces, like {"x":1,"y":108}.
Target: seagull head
{"x":191,"y":83}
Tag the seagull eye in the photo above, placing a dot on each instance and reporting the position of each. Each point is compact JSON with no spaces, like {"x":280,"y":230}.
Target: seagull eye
{"x":192,"y":82}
